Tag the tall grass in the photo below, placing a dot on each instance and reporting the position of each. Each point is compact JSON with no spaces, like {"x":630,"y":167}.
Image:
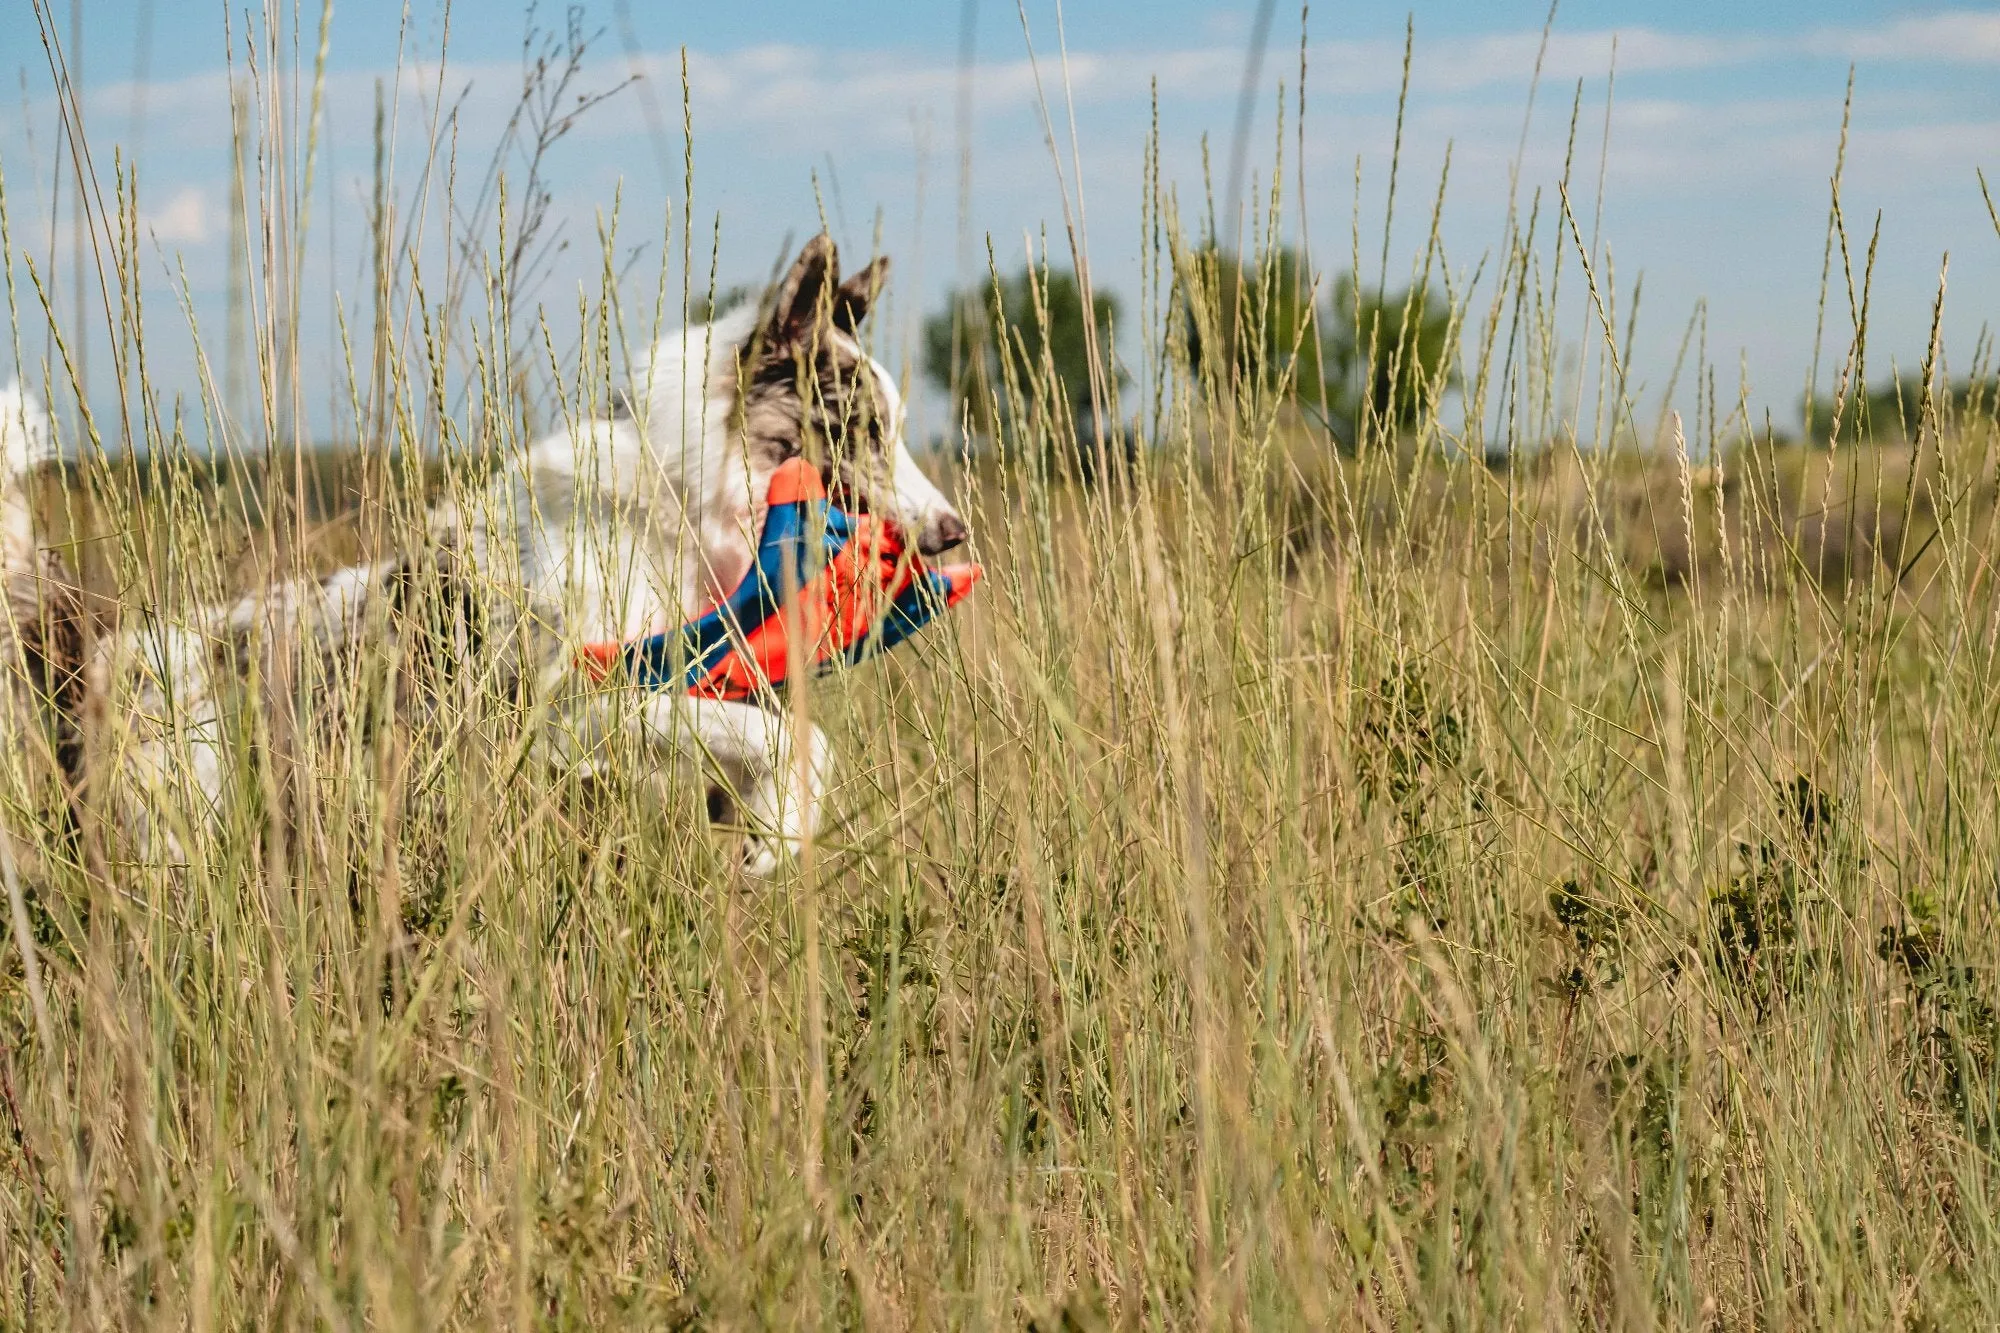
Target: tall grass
{"x":1381,"y":888}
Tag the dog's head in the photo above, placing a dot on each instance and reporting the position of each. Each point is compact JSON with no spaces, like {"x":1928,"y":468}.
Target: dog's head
{"x":809,"y":387}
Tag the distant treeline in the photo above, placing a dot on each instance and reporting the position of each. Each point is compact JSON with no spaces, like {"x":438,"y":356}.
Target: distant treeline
{"x":1894,"y":410}
{"x":1358,"y":357}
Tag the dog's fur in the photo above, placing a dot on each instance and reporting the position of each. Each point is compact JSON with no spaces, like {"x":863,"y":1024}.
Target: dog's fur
{"x":615,"y":527}
{"x":44,"y":634}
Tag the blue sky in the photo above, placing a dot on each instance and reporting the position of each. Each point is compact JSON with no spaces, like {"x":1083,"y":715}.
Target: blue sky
{"x":365,"y":31}
{"x":1723,"y":131}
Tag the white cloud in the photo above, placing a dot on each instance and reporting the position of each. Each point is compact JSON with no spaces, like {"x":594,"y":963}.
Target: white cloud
{"x":1952,"y":39}
{"x":185,"y":219}
{"x":1483,"y":62}
{"x":867,"y":97}
{"x":777,"y":85}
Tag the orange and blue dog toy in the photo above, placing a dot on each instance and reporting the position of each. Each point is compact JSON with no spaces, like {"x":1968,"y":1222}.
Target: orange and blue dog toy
{"x":845,"y":582}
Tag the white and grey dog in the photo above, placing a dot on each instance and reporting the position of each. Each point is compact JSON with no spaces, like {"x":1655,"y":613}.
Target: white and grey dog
{"x":611,"y":528}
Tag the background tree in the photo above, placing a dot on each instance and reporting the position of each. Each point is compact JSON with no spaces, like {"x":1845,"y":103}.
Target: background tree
{"x":1388,"y":355}
{"x":1032,"y":325}
{"x":1893,"y":409}
{"x":1357,"y":353}
{"x":1248,"y":325}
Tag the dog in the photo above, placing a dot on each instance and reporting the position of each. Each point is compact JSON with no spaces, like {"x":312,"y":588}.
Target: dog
{"x":630,"y":524}
{"x":614,"y":526}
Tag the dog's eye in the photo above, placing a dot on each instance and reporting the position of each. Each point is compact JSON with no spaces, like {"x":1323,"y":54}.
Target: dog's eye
{"x":781,"y":448}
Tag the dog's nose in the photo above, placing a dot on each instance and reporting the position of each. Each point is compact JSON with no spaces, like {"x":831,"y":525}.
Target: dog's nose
{"x":942,"y":533}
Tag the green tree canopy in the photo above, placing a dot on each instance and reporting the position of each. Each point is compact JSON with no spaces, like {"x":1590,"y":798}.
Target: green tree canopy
{"x":1357,"y":351}
{"x":1030,"y":325}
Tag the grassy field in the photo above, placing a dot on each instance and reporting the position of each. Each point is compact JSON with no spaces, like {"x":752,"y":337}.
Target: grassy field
{"x":1472,"y":878}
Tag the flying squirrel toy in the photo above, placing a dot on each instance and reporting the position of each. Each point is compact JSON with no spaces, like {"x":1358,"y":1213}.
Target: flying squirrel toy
{"x":847,"y":584}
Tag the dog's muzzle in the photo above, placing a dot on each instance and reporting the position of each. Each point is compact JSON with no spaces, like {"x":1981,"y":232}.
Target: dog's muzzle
{"x":941,"y":534}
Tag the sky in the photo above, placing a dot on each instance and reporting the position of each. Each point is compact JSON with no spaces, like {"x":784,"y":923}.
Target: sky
{"x":1723,"y":126}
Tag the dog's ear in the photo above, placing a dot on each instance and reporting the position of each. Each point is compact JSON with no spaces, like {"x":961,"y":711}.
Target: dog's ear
{"x":858,"y":293}
{"x":805,"y":293}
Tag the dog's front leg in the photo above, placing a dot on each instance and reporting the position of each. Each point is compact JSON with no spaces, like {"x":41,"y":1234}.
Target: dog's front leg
{"x":776,"y":786}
